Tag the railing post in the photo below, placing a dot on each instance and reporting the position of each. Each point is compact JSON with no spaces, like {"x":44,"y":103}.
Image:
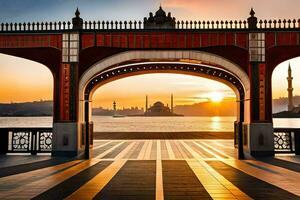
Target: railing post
{"x":291,"y":140}
{"x":3,"y":141}
{"x":297,"y":142}
{"x":33,"y":142}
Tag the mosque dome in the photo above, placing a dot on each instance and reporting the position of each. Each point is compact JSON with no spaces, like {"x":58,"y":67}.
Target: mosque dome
{"x":158,"y":104}
{"x":160,"y":12}
{"x":159,"y":109}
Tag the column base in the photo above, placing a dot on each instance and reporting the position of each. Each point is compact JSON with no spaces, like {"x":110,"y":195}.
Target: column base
{"x":258,"y":139}
{"x":65,"y":139}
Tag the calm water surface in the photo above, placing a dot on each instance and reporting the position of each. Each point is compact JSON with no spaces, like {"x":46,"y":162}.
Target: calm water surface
{"x":143,"y":124}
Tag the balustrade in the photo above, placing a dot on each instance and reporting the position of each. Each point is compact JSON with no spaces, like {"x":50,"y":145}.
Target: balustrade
{"x":26,"y":140}
{"x":289,"y":24}
{"x":287,"y":140}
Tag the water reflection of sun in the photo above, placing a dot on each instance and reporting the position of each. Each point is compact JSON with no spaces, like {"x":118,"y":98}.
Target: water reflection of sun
{"x":215,"y":123}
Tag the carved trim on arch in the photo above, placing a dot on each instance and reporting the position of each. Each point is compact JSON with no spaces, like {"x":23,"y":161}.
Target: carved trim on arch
{"x":163,"y":54}
{"x":183,"y":68}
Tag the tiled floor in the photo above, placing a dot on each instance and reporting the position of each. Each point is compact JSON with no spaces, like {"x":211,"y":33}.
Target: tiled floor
{"x":152,"y":169}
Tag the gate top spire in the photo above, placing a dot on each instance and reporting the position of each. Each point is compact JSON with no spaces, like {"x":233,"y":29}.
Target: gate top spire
{"x":252,"y":20}
{"x":77,"y":21}
{"x":160,"y":20}
{"x":77,"y":13}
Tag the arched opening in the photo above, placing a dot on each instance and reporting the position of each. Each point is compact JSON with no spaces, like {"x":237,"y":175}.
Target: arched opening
{"x":193,"y":63}
{"x":175,"y":103}
{"x":26,"y":96}
{"x":159,"y":67}
{"x":286,"y":104}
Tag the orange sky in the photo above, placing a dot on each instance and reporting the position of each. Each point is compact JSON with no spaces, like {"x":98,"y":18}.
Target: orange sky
{"x":24,"y":80}
{"x":131,"y":91}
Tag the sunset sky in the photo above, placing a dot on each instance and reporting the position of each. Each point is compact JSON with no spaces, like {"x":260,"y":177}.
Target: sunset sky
{"x":22,"y":80}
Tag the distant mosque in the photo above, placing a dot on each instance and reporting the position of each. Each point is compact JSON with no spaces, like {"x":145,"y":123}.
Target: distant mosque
{"x":159,"y":109}
{"x":291,"y":107}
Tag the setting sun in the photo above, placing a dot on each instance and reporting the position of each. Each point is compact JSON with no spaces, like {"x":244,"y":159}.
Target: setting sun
{"x":216,"y":97}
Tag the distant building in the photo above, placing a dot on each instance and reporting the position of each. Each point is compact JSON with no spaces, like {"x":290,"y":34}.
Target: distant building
{"x":291,"y":107}
{"x":290,"y":89}
{"x":159,"y":109}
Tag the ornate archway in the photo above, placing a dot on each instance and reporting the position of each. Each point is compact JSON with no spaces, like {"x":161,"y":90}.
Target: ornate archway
{"x":183,"y":62}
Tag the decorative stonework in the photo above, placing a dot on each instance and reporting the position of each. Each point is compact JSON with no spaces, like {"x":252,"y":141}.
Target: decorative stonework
{"x":257,"y":47}
{"x":65,"y":92}
{"x":283,"y":141}
{"x":262,"y":99}
{"x":45,"y":141}
{"x":164,"y":55}
{"x":20,"y":141}
{"x":70,"y":47}
{"x":160,"y":20}
{"x":204,"y":70}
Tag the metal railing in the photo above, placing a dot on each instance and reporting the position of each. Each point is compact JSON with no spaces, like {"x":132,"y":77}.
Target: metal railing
{"x":26,"y":140}
{"x":286,"y":140}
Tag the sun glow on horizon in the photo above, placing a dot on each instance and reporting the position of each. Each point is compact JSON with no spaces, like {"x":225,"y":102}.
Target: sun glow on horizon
{"x":216,"y":97}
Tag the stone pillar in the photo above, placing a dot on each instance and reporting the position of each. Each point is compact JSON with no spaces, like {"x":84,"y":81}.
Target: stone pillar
{"x":258,"y":134}
{"x":66,"y":129}
{"x":67,"y":132}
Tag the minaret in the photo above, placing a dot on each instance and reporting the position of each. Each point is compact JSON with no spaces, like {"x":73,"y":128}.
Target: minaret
{"x":171,"y":103}
{"x":146,"y":110}
{"x":115,"y":106}
{"x":290,"y":89}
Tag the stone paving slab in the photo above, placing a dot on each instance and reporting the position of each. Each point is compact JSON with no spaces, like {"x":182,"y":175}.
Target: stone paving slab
{"x":254,"y":187}
{"x":180,"y":182}
{"x":135,"y":180}
{"x":69,"y":186}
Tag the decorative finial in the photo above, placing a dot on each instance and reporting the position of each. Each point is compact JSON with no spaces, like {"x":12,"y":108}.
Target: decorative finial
{"x":77,"y":21}
{"x":290,"y":67}
{"x":252,"y":13}
{"x":252,"y":20}
{"x":77,"y":13}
